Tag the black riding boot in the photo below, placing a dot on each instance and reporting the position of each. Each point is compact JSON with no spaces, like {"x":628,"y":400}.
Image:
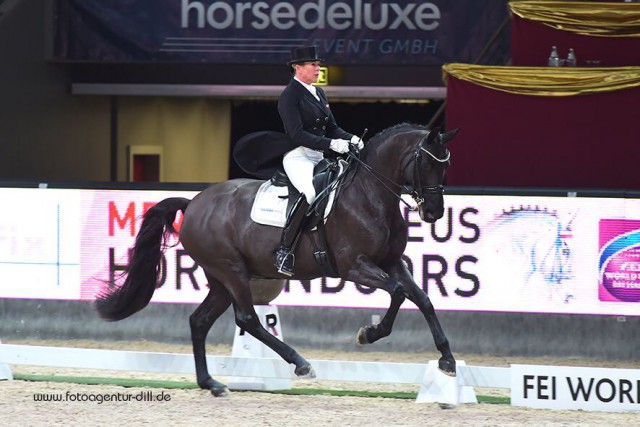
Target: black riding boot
{"x":284,"y":256}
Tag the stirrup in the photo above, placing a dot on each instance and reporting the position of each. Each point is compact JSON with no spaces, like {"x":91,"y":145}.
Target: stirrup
{"x":285,"y":262}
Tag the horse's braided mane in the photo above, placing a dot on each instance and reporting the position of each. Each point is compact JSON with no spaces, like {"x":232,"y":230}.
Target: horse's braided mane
{"x":384,"y":134}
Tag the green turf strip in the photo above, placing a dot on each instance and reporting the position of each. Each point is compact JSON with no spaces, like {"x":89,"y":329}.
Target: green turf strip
{"x":122,"y":382}
{"x":127,"y":382}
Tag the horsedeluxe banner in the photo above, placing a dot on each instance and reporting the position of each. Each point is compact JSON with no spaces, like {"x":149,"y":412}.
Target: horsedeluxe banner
{"x":263,"y":32}
{"x":571,"y":255}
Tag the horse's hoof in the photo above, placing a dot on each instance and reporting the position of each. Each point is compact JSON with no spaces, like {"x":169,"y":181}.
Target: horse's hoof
{"x":215,"y":387}
{"x":446,"y":406}
{"x":447,"y":367}
{"x":220,"y":391}
{"x":361,"y":337}
{"x":305,"y":371}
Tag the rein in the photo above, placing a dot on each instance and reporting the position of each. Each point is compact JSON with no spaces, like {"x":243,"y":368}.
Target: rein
{"x":431,"y":189}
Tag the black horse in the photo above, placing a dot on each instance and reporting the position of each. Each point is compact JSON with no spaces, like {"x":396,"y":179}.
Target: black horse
{"x":366,"y":233}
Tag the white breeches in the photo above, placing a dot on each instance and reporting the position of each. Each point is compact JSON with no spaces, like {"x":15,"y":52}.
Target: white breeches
{"x":298,"y":164}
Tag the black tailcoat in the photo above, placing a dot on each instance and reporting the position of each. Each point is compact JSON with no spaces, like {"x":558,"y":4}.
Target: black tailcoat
{"x":307,"y":122}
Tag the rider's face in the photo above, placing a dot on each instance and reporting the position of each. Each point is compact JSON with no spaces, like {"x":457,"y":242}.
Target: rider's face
{"x":308,"y":72}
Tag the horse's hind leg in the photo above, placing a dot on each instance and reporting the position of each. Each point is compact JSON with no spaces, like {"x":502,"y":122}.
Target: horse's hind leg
{"x":216,"y":302}
{"x":247,"y":319}
{"x":447,"y":363}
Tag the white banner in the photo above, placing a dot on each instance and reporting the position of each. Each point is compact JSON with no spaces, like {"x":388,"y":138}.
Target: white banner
{"x":40,"y":243}
{"x":509,"y":253}
{"x":565,"y":387}
{"x":488,"y":253}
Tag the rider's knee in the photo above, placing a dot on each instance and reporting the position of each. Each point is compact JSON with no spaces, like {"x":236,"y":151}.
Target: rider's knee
{"x":310,"y":195}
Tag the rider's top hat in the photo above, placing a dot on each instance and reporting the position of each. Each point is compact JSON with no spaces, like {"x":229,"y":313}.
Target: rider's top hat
{"x":303,"y":54}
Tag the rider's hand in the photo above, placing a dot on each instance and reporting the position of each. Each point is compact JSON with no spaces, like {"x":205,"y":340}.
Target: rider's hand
{"x":355,"y":140}
{"x":339,"y":145}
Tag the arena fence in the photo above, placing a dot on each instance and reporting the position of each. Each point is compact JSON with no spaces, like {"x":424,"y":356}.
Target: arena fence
{"x":266,"y":368}
{"x":537,"y":386}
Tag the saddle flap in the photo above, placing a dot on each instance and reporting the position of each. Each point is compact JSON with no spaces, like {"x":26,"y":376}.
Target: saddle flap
{"x":270,"y":205}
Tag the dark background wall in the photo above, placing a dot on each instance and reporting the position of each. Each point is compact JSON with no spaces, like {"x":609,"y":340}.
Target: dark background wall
{"x":252,"y":116}
{"x":50,"y":134}
{"x":45,"y":133}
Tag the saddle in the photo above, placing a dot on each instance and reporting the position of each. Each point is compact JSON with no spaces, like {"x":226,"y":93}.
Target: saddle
{"x":325,"y":174}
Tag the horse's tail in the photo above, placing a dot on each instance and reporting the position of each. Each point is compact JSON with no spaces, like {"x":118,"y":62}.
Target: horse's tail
{"x":144,"y":269}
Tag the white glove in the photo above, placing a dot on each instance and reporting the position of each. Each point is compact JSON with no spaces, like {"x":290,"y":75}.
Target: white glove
{"x":355,"y":140}
{"x":339,"y":145}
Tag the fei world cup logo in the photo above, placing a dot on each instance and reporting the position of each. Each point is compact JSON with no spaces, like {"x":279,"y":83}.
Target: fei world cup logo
{"x":619,"y":260}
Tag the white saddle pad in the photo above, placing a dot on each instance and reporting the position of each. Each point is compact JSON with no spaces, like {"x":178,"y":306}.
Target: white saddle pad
{"x":270,"y":204}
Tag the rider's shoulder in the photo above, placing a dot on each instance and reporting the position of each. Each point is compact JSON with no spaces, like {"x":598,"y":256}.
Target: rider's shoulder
{"x":290,"y":94}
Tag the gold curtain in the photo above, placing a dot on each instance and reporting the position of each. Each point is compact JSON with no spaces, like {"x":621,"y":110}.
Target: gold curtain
{"x":546,"y":81}
{"x":583,"y":17}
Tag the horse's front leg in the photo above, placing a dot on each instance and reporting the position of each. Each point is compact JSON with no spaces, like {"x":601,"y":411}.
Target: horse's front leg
{"x":447,"y":363}
{"x":216,"y":302}
{"x":368,"y":273}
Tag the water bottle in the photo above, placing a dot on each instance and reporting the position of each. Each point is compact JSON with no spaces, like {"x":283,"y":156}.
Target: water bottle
{"x":571,"y":58}
{"x":554,"y":59}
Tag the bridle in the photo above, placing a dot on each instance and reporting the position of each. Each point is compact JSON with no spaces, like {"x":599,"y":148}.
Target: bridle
{"x":417,"y":182}
{"x":418,"y":193}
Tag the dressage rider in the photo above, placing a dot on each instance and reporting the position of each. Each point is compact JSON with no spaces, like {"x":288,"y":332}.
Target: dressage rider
{"x":309,"y":123}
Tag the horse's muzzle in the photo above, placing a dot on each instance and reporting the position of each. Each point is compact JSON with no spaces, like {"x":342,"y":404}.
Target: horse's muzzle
{"x":430,"y":216}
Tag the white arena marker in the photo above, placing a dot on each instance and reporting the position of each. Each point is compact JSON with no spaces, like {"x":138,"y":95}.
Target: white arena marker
{"x":5,"y":371}
{"x":438,"y":387}
{"x":267,"y":368}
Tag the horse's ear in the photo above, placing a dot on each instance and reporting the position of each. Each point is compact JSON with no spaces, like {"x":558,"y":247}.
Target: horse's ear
{"x":432,"y":136}
{"x":444,"y":138}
